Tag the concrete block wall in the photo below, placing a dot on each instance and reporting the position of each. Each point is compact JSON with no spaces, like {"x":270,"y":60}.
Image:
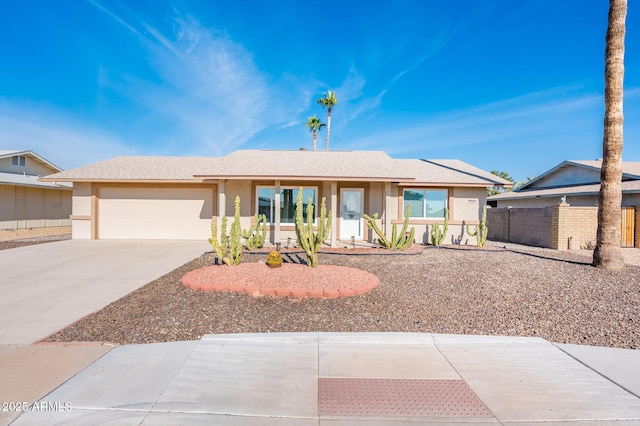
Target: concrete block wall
{"x":550,"y":227}
{"x":531,"y":226}
{"x":573,"y":227}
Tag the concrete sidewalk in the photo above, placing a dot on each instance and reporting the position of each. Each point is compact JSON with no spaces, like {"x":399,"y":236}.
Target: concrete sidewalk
{"x":349,"y":378}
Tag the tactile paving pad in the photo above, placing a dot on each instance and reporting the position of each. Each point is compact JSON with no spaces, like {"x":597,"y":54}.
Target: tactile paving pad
{"x":398,"y":397}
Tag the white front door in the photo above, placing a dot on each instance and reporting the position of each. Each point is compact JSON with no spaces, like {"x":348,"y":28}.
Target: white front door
{"x":351,"y":213}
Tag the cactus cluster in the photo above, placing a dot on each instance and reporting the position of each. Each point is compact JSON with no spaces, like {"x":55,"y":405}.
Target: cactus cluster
{"x":399,"y":241}
{"x":229,"y":251}
{"x":480,"y":231}
{"x":255,"y":236}
{"x":309,"y":240}
{"x":437,"y":236}
{"x":274,"y":259}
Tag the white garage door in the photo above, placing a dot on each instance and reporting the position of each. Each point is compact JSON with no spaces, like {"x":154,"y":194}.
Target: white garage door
{"x":155,"y":213}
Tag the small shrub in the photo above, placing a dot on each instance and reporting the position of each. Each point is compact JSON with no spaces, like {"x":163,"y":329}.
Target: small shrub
{"x":274,"y":259}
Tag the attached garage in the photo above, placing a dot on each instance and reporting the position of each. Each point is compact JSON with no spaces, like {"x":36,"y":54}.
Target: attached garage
{"x":150,"y":213}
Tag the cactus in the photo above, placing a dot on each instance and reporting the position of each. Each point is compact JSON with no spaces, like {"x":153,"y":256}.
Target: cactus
{"x":229,"y":255}
{"x":480,"y":231}
{"x":274,"y":260}
{"x":309,"y":241}
{"x":254,"y":237}
{"x":437,"y":236}
{"x":398,"y":241}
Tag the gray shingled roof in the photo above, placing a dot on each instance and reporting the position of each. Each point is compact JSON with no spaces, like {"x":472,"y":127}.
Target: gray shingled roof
{"x":448,"y":172}
{"x":632,"y":186}
{"x":305,"y":164}
{"x":338,"y":165}
{"x":138,"y":168}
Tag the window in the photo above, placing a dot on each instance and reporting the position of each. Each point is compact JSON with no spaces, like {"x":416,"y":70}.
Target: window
{"x":288,"y":197}
{"x":426,"y":203}
{"x":18,"y":160}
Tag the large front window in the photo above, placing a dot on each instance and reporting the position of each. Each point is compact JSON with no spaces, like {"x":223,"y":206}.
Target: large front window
{"x":288,"y":197}
{"x":426,"y":203}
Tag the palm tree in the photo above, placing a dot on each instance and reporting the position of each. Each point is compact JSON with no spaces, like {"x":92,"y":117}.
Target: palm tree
{"x":328,"y":101}
{"x":608,"y":254}
{"x":314,"y":124}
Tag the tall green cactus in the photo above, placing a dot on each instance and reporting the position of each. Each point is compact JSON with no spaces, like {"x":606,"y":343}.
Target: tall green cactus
{"x":398,"y":241}
{"x":232,"y":254}
{"x":437,"y":236}
{"x":481,"y":230}
{"x":307,"y":239}
{"x":255,"y":236}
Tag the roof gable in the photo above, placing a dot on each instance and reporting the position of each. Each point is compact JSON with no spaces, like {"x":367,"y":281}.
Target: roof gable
{"x":33,"y":155}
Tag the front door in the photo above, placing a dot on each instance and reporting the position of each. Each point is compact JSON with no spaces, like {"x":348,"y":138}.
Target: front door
{"x":351,"y":213}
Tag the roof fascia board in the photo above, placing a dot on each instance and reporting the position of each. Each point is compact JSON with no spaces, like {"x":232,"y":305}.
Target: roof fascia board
{"x":122,"y":180}
{"x":306,"y":178}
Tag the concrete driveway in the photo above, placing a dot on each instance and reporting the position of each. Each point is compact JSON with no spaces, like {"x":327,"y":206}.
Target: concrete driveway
{"x":46,"y":287}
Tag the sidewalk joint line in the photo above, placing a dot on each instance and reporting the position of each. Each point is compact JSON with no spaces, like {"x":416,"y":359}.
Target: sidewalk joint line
{"x":599,"y":373}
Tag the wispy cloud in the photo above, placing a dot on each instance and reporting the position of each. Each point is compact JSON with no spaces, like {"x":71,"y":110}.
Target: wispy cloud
{"x":114,"y":16}
{"x":511,"y":121}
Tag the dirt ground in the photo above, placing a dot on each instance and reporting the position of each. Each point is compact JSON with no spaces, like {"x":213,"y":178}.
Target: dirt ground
{"x":19,"y":234}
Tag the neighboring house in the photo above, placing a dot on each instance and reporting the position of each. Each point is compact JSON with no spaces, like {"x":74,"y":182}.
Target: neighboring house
{"x":177,"y":197}
{"x":577,"y":181}
{"x":25,"y":202}
{"x":559,"y":208}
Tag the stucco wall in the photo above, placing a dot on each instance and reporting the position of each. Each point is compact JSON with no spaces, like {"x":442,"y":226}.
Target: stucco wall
{"x":81,"y":214}
{"x":29,"y":207}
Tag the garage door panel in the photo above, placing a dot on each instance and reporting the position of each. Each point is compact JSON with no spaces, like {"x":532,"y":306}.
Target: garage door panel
{"x":155,"y":213}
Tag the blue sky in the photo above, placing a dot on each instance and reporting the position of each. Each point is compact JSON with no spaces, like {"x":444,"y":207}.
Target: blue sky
{"x":507,"y":85}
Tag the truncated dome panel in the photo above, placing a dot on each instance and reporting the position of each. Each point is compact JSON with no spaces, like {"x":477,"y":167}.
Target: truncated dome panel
{"x":398,"y":397}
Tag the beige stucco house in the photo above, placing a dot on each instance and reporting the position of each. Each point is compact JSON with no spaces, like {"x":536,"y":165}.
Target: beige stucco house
{"x":26,"y":202}
{"x":177,"y":197}
{"x":578,"y":181}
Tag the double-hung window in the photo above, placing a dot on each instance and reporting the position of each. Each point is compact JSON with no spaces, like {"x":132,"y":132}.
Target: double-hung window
{"x":288,"y":196}
{"x":426,"y":203}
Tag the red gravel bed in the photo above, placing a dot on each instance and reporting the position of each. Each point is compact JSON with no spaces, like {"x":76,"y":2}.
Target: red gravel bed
{"x":290,"y":280}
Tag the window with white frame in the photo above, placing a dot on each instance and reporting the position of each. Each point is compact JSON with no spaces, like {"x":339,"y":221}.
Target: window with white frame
{"x":426,"y":203}
{"x":19,"y":160}
{"x":266,"y":199}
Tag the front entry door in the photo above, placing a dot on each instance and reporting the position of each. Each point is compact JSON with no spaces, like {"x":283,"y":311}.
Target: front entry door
{"x":351,"y":213}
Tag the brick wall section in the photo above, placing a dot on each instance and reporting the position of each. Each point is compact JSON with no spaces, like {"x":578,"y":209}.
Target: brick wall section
{"x":531,"y":226}
{"x":546,"y":226}
{"x":498,"y":224}
{"x":578,"y":223}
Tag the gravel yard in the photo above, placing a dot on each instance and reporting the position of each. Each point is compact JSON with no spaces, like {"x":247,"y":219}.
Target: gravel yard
{"x":518,"y":292}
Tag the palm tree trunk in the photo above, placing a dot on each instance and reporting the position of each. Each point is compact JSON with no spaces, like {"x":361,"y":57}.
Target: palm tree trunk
{"x":328,"y":127}
{"x":608,"y":254}
{"x":314,"y":140}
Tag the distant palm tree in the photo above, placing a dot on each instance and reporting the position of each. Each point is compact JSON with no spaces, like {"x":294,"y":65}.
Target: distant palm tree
{"x":608,"y":254}
{"x":314,"y":124}
{"x":328,"y":101}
